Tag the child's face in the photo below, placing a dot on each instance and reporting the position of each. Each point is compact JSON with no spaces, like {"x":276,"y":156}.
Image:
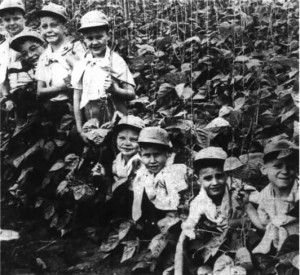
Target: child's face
{"x":31,"y":51}
{"x":52,"y":30}
{"x":96,"y":41}
{"x":154,"y":158}
{"x":281,"y":172}
{"x":127,"y":142}
{"x":13,"y":22}
{"x":213,"y":180}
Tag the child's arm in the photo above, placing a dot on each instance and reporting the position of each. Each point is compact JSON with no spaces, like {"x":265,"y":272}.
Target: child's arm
{"x":43,"y":90}
{"x":78,"y":114}
{"x":123,"y":90}
{"x":251,"y":211}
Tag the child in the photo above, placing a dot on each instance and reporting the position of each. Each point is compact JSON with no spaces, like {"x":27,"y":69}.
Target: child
{"x":55,"y":64}
{"x":12,"y":14}
{"x":30,"y":45}
{"x":278,"y":197}
{"x":103,"y":72}
{"x":157,"y":187}
{"x":213,"y":210}
{"x":128,"y":160}
{"x":126,"y":164}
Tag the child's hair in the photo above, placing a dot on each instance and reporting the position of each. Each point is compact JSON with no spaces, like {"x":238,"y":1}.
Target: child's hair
{"x":56,"y":17}
{"x":213,"y":163}
{"x":125,"y":127}
{"x":12,"y":11}
{"x":160,"y":147}
{"x":99,"y":28}
{"x":25,"y":39}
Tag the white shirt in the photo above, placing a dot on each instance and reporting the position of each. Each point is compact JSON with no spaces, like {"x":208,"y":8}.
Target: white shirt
{"x":89,"y":75}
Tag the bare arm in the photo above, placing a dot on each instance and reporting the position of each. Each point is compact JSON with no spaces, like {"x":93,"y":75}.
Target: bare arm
{"x":78,"y":113}
{"x":123,"y":90}
{"x":253,"y":216}
{"x":43,"y":90}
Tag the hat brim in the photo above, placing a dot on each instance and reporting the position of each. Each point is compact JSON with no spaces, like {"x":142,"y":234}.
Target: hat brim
{"x":92,"y":25}
{"x":155,"y":141}
{"x":123,"y":125}
{"x":44,"y":13}
{"x":2,"y":11}
{"x":15,"y":43}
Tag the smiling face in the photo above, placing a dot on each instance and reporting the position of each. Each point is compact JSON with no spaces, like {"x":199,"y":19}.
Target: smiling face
{"x":280,"y":172}
{"x":96,"y":40}
{"x":13,"y":22}
{"x":154,"y":157}
{"x":213,"y":180}
{"x":127,"y":142}
{"x":53,"y":30}
{"x":30,"y":51}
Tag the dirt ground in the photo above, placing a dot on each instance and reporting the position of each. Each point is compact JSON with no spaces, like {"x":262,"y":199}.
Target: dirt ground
{"x":41,"y":251}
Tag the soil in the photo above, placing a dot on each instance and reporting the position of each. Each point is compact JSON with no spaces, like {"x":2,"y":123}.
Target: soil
{"x":42,"y":251}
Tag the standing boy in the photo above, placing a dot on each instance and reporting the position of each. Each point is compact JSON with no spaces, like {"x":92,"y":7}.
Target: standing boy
{"x":12,"y":14}
{"x":102,"y":81}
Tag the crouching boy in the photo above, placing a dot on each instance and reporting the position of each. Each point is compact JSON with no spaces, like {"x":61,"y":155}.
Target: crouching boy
{"x":157,"y":192}
{"x":212,"y":211}
{"x":278,"y":198}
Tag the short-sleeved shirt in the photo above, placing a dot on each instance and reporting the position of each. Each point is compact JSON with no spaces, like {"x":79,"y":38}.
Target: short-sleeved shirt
{"x":8,"y":56}
{"x":89,"y":75}
{"x":53,"y":68}
{"x":161,"y":189}
{"x":271,"y":206}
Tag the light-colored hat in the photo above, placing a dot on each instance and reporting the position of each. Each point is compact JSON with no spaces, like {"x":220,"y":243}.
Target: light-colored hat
{"x":93,"y":19}
{"x":130,"y":120}
{"x":155,"y":135}
{"x":283,"y":147}
{"x":216,"y":153}
{"x":53,"y":9}
{"x":15,"y":42}
{"x":12,"y":4}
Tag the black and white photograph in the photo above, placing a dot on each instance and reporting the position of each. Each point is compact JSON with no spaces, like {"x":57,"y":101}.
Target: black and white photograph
{"x":149,"y":137}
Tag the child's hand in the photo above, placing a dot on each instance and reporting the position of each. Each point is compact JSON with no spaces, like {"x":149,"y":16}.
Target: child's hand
{"x":83,"y":137}
{"x":67,"y":81}
{"x":9,"y":105}
{"x":98,"y":170}
{"x":107,"y":83}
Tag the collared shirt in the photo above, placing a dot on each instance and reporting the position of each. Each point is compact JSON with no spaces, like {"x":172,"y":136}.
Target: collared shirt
{"x":8,"y":56}
{"x":89,"y":75}
{"x":272,"y":212}
{"x":271,"y":206}
{"x":162,"y":189}
{"x":122,"y":171}
{"x":203,"y":206}
{"x":53,"y":68}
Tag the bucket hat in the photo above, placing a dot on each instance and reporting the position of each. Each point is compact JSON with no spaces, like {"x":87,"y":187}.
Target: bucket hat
{"x":54,"y":10}
{"x":211,"y":153}
{"x":155,"y":135}
{"x":132,"y":121}
{"x":283,"y":147}
{"x":93,"y":19}
{"x":17,"y":40}
{"x":12,"y":4}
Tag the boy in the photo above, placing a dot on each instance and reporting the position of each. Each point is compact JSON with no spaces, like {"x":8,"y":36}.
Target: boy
{"x":213,"y":210}
{"x":30,"y":45}
{"x":278,"y":197}
{"x":12,"y":14}
{"x":102,"y":72}
{"x":157,"y":187}
{"x":54,"y":67}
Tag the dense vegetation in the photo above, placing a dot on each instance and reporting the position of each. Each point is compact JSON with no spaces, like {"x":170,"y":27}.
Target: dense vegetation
{"x":190,"y":59}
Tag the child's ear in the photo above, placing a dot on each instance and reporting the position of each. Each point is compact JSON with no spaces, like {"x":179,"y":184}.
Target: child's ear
{"x":262,"y":168}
